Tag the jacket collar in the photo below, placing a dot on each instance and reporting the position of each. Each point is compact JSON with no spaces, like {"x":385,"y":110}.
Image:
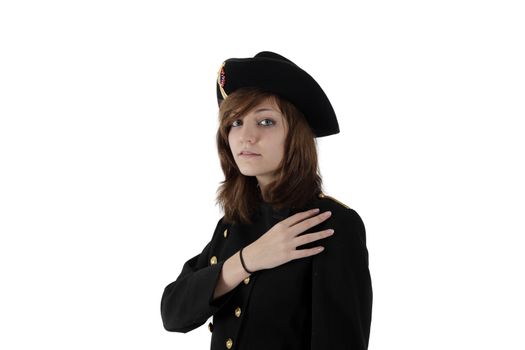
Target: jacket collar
{"x":269,"y":211}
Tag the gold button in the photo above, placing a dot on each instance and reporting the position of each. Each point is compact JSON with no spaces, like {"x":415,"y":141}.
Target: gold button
{"x":210,"y":326}
{"x":225,"y":233}
{"x":229,"y":343}
{"x":247,"y":280}
{"x":238,"y":312}
{"x":213,"y":260}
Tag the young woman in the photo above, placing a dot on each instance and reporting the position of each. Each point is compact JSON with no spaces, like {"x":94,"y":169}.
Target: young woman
{"x":264,"y":275}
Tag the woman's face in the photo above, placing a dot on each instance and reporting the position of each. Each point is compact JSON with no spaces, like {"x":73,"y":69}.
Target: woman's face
{"x":262,"y":131}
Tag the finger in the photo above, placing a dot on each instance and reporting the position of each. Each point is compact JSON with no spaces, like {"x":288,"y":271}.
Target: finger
{"x":304,"y":253}
{"x":309,"y":223}
{"x":298,"y":217}
{"x":311,"y":237}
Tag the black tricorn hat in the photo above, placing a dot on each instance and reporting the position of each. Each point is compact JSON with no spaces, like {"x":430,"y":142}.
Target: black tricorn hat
{"x":272,"y":72}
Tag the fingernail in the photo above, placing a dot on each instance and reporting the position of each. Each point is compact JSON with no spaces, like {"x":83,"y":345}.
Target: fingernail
{"x":315,"y":210}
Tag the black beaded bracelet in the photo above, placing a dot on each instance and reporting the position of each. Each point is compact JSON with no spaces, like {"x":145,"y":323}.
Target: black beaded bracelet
{"x":242,"y":262}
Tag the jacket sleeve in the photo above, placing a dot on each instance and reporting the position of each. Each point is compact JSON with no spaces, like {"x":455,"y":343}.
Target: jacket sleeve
{"x":342,"y":287}
{"x":188,"y":301}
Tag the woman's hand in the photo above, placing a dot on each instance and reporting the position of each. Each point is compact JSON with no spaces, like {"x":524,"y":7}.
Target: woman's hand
{"x":278,"y":245}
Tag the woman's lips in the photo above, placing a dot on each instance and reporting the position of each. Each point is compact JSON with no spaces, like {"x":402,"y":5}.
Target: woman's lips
{"x":250,"y":155}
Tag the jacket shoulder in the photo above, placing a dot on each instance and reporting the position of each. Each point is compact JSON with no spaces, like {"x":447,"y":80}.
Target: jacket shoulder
{"x":322,"y":196}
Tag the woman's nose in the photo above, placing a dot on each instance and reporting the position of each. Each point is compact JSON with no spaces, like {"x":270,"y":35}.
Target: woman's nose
{"x":247,"y":133}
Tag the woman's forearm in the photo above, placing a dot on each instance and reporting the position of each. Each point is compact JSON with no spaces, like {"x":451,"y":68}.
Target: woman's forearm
{"x":231,"y":275}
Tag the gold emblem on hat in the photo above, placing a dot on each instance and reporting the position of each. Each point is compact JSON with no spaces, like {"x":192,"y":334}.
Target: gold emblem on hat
{"x":221,"y":80}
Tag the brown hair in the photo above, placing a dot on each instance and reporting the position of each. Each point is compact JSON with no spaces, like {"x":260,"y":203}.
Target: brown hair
{"x":297,"y":178}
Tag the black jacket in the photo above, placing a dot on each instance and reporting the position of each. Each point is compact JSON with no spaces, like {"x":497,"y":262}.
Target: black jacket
{"x":319,"y":302}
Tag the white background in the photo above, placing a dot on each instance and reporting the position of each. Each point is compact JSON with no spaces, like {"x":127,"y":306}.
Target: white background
{"x":109,"y":166}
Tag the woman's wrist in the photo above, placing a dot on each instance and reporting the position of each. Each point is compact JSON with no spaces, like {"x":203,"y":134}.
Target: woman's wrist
{"x":243,"y":262}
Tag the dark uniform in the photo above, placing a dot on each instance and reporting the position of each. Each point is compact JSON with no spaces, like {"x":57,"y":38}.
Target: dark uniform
{"x":318,"y":302}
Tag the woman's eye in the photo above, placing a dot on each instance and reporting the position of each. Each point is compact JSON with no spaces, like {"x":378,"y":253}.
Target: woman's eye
{"x":233,"y":124}
{"x":271,"y":121}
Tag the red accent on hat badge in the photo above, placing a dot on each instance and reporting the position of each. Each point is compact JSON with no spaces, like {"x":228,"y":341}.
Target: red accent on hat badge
{"x":222,"y":77}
